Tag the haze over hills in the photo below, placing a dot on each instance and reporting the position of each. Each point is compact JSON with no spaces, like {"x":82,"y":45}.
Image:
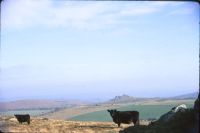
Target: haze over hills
{"x":193,"y":95}
{"x":42,"y":104}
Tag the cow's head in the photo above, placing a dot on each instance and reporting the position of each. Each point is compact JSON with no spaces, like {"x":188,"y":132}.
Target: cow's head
{"x":16,"y":116}
{"x":112,"y":112}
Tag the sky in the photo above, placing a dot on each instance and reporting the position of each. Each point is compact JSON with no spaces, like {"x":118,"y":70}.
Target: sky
{"x":95,"y":50}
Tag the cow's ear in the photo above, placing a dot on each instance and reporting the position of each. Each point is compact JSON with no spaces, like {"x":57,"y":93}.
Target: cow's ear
{"x":108,"y":110}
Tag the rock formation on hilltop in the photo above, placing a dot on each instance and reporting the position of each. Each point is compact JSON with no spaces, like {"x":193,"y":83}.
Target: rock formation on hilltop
{"x":124,"y":99}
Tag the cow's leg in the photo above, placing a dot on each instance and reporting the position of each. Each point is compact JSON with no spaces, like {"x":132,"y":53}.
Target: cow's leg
{"x":119,"y":124}
{"x":138,"y":122}
{"x":134,"y":122}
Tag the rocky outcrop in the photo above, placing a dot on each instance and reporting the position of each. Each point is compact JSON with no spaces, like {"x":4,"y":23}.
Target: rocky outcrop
{"x":166,"y":117}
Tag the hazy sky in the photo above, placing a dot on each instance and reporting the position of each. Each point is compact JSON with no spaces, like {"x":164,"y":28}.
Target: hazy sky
{"x":96,"y":50}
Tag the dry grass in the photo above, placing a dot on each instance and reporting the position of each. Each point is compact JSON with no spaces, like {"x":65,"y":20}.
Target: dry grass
{"x":41,"y":125}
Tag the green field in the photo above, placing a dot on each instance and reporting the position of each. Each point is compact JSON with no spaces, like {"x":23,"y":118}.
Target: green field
{"x":146,"y":112}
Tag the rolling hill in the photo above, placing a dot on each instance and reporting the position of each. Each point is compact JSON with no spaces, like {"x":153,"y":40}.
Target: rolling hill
{"x":193,"y":95}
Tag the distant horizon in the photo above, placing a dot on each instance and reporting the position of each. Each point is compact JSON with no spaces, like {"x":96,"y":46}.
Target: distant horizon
{"x":91,"y":100}
{"x":98,"y":49}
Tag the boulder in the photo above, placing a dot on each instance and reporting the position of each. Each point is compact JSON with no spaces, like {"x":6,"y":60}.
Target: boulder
{"x":167,"y":116}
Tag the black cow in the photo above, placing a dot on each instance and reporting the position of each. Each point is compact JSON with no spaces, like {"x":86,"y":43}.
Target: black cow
{"x":126,"y":117}
{"x":23,"y":118}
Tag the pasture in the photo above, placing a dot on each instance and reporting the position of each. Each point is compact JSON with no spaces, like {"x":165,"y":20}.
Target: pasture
{"x":147,"y":111}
